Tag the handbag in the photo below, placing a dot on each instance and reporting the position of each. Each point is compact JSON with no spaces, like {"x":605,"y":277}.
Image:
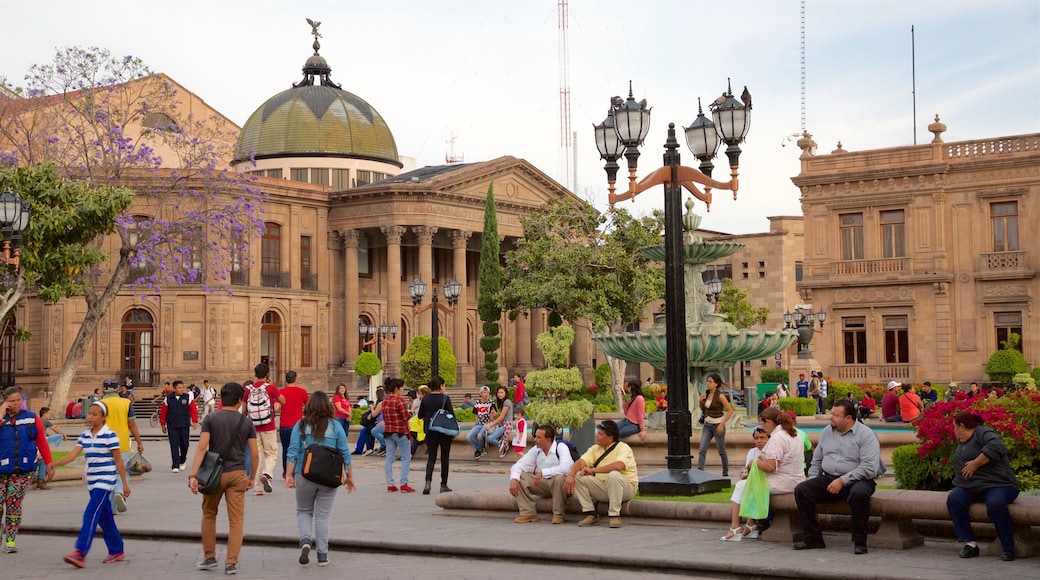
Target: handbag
{"x":415,"y":425}
{"x":444,"y":422}
{"x":210,"y":473}
{"x":323,"y":465}
{"x":755,"y":502}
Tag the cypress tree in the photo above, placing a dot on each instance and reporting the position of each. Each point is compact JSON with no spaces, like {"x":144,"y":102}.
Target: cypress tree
{"x":488,"y":306}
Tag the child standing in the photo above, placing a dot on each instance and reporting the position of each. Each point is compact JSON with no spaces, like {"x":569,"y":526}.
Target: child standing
{"x":520,"y":435}
{"x":104,"y":464}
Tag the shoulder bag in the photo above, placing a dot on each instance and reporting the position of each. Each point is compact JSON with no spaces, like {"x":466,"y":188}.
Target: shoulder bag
{"x":323,"y":465}
{"x":444,"y":421}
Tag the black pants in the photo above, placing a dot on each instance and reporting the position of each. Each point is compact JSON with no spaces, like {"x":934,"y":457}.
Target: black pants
{"x":435,"y":441}
{"x":814,"y":491}
{"x":178,"y":437}
{"x":285,"y":436}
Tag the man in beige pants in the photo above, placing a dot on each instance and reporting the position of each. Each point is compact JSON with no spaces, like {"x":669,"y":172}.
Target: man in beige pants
{"x":606,"y":472}
{"x":541,"y":472}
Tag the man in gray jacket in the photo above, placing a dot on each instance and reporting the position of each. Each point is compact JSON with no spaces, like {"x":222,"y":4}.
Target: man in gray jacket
{"x":541,"y":471}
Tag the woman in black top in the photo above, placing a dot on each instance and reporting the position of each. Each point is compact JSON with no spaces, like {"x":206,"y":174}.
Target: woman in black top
{"x":434,"y":440}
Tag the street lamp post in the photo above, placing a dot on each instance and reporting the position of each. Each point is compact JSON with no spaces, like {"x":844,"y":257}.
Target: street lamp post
{"x":803,"y":319}
{"x":14,"y":218}
{"x":452,"y":290}
{"x":631,"y":120}
{"x":371,"y":334}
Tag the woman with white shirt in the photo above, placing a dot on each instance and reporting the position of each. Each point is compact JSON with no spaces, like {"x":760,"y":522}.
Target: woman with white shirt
{"x":781,"y":461}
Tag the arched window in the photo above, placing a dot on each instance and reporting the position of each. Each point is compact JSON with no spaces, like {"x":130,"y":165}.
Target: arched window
{"x":271,"y":274}
{"x":138,"y":335}
{"x":270,"y":343}
{"x":7,"y":352}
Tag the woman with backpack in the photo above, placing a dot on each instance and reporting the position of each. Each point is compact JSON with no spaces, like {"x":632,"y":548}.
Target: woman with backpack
{"x":314,"y":500}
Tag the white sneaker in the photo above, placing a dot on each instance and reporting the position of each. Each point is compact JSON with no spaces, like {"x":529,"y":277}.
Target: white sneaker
{"x":120,"y":503}
{"x":175,"y":470}
{"x":183,"y":465}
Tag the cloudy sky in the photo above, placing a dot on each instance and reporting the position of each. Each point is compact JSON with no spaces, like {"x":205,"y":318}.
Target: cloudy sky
{"x":487,"y":71}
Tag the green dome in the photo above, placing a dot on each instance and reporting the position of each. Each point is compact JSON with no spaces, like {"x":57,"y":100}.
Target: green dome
{"x":316,"y":121}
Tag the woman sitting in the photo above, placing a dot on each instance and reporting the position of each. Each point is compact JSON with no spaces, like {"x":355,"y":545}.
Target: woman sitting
{"x":781,"y":461}
{"x":981,"y":473}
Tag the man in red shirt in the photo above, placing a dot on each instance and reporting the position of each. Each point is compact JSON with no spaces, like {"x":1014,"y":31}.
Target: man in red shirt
{"x":520,"y":392}
{"x":890,"y":403}
{"x":292,"y":398}
{"x":260,"y":407}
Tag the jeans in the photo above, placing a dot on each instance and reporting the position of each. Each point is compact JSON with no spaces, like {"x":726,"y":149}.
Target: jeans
{"x":363,"y":440}
{"x":99,"y":513}
{"x":709,"y":432}
{"x":626,"y":428}
{"x":814,"y":491}
{"x":285,"y":435}
{"x":378,"y":434}
{"x":178,"y":437}
{"x":437,"y":441}
{"x":495,"y":438}
{"x":393,"y":443}
{"x":314,"y":510}
{"x":41,"y":468}
{"x":996,"y":500}
{"x":233,"y":490}
{"x":821,"y":405}
{"x":345,"y":423}
{"x":477,"y":436}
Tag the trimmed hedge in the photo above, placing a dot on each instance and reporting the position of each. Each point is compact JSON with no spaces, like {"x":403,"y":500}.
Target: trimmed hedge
{"x":801,"y":407}
{"x":912,"y":472}
{"x":775,"y":376}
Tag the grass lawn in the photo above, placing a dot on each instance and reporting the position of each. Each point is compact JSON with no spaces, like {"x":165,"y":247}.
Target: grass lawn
{"x":715,"y":497}
{"x":56,"y":455}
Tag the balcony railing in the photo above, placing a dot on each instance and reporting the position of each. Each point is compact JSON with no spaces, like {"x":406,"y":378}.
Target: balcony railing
{"x":309,"y":281}
{"x":275,"y":279}
{"x":1004,"y":260}
{"x":240,"y":277}
{"x":864,"y":267}
{"x":874,"y":373}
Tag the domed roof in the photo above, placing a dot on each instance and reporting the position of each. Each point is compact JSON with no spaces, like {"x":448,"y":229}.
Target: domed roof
{"x":316,"y":120}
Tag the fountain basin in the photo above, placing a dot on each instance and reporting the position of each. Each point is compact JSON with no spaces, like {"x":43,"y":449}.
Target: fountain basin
{"x":703,"y":252}
{"x":706,"y":347}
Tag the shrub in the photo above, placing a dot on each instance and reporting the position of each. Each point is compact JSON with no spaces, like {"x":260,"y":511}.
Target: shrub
{"x":651,"y":406}
{"x":367,"y":365}
{"x":1004,"y":364}
{"x":911,"y":470}
{"x":801,"y":407}
{"x":843,"y":390}
{"x":1028,"y":480}
{"x":560,"y":414}
{"x":1024,"y":381}
{"x":1036,"y":374}
{"x":603,"y":408}
{"x":775,"y":376}
{"x":553,"y":383}
{"x":415,"y":362}
{"x":601,"y":376}
{"x":465,"y":415}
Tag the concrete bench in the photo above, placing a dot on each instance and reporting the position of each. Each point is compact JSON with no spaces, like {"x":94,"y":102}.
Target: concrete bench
{"x":898,"y":509}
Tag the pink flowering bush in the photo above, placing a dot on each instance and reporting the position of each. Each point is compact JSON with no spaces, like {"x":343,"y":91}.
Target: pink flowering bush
{"x":1015,"y":416}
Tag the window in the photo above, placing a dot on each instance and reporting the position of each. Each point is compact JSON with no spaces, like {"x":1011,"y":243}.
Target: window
{"x":340,"y":178}
{"x":892,"y":242}
{"x":139,"y":268}
{"x":364,"y":256}
{"x":192,"y":263}
{"x":277,"y":173}
{"x":897,"y":340}
{"x":1005,"y":226}
{"x":1008,"y":323}
{"x":854,"y":335}
{"x":271,"y":274}
{"x":7,"y":352}
{"x":364,"y":177}
{"x":239,"y":271}
{"x":761,"y":274}
{"x":744,"y":265}
{"x":305,"y":347}
{"x":159,"y":122}
{"x":308,"y":279}
{"x":799,"y":272}
{"x":298,"y":174}
{"x":851,"y":236}
{"x":720,"y":271}
{"x":376,"y":176}
{"x":761,"y":264}
{"x":320,"y":176}
{"x":270,"y":342}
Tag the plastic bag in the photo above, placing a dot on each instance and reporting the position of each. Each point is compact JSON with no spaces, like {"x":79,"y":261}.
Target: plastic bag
{"x":755,"y":502}
{"x":137,"y":464}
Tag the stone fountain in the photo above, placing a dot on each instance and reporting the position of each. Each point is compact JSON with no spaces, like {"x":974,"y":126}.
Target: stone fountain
{"x":712,"y":343}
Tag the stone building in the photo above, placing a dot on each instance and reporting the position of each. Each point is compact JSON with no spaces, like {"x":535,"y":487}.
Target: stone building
{"x":922,"y":256}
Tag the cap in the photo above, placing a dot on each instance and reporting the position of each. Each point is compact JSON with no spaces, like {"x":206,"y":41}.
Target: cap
{"x":894,"y":384}
{"x":110,"y":384}
{"x":485,"y":389}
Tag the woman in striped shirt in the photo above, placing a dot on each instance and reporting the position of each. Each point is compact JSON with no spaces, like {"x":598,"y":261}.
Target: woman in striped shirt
{"x":104,"y":465}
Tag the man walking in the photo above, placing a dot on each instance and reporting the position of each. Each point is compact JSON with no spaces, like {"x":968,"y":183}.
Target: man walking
{"x":291,"y":400}
{"x":177,"y":416}
{"x":606,"y":472}
{"x":541,"y":472}
{"x":228,"y":433}
{"x":260,"y":404}
{"x":209,"y":399}
{"x":122,"y":420}
{"x":844,"y":465}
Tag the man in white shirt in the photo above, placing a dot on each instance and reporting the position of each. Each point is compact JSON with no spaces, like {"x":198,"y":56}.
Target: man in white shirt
{"x":209,"y":399}
{"x":541,"y":471}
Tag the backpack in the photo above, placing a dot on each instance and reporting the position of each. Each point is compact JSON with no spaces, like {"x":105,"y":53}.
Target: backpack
{"x":570,"y":446}
{"x":367,"y":420}
{"x":258,"y":405}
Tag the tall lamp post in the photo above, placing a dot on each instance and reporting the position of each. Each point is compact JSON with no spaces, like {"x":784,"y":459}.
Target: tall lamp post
{"x":631,"y":122}
{"x":803,"y":319}
{"x":14,"y":218}
{"x":452,"y":290}
{"x":377,"y":335}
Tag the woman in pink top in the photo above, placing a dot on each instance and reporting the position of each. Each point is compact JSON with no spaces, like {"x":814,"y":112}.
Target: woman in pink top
{"x":635,"y":412}
{"x":341,"y":403}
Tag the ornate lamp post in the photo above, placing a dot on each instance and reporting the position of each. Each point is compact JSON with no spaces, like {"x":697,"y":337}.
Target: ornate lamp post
{"x":714,"y":291}
{"x":452,"y":290}
{"x":631,"y":120}
{"x":803,"y":319}
{"x":371,"y":334}
{"x":14,"y":218}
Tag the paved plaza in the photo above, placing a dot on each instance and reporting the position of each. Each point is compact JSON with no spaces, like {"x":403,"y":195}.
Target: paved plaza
{"x":376,"y":534}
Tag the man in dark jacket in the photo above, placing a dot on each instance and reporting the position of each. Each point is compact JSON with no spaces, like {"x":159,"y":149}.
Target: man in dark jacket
{"x":177,"y":415}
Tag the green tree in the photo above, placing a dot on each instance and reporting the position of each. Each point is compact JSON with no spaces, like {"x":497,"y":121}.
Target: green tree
{"x":586,"y":268}
{"x":415,"y":362}
{"x":734,"y":304}
{"x":59,"y":244}
{"x":488,"y":306}
{"x":550,"y":387}
{"x":367,"y":364}
{"x":1004,"y":364}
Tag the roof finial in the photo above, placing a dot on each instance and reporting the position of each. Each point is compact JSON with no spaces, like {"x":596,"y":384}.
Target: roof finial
{"x":314,"y":30}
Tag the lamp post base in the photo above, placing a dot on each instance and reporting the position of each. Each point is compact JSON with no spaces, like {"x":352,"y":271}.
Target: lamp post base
{"x":682,"y":482}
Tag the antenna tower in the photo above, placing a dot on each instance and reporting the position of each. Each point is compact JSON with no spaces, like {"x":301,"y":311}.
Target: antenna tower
{"x":567,"y":152}
{"x":449,"y":156}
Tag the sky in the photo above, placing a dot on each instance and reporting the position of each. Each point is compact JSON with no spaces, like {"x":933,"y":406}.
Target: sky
{"x":487,"y":73}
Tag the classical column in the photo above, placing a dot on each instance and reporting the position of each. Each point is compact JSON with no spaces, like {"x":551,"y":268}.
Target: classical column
{"x":524,"y":340}
{"x":459,"y":239}
{"x":582,"y":350}
{"x":425,"y":235}
{"x":351,"y":307}
{"x":392,"y":354}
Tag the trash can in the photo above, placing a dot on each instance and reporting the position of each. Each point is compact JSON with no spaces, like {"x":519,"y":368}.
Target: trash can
{"x":585,"y":436}
{"x":751,"y":400}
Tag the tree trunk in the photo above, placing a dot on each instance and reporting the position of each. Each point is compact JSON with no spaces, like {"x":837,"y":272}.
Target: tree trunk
{"x":617,"y":380}
{"x":10,"y":298}
{"x":97,"y":305}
